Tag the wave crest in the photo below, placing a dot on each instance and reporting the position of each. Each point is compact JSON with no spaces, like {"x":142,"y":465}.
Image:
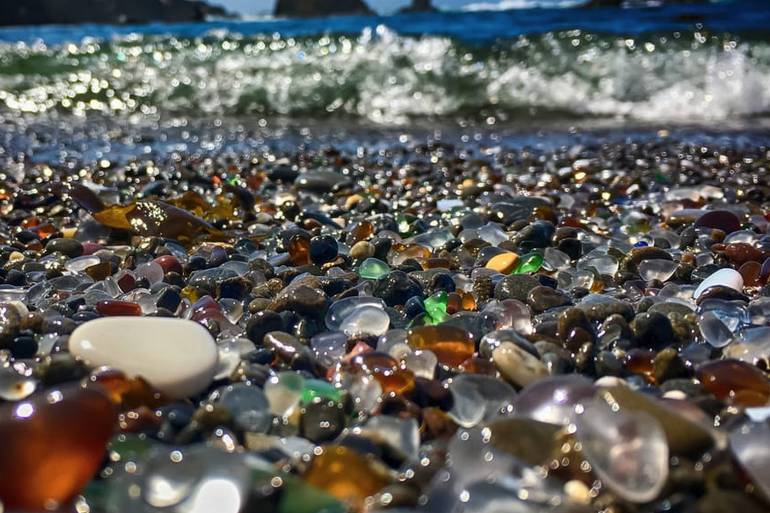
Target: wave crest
{"x":388,"y":78}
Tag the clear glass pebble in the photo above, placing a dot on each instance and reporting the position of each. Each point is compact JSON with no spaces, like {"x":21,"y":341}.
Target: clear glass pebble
{"x":231,"y":351}
{"x":152,"y":271}
{"x":555,"y":399}
{"x":80,"y":264}
{"x":714,"y":330}
{"x":366,"y":321}
{"x":750,"y":445}
{"x":284,"y":392}
{"x":249,"y":407}
{"x":657,"y":269}
{"x":479,"y":398}
{"x":329,"y":347}
{"x":628,"y":450}
{"x":557,"y":259}
{"x":341,"y":309}
{"x":422,"y":363}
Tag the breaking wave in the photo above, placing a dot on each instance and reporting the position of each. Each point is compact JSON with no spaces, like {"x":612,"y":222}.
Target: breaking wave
{"x":387,"y":78}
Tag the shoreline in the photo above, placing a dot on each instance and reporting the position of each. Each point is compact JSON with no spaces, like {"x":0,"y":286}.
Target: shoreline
{"x":89,"y":137}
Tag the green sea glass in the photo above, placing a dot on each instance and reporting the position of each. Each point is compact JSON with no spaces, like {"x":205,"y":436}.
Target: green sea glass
{"x":529,"y":264}
{"x":372,"y":268}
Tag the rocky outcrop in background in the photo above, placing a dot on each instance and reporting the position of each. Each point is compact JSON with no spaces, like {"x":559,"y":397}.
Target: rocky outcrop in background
{"x":419,"y":6}
{"x":66,"y":12}
{"x":310,"y":8}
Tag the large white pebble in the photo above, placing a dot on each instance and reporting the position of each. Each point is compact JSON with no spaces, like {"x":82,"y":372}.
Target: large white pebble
{"x":178,"y":357}
{"x":727,"y":277}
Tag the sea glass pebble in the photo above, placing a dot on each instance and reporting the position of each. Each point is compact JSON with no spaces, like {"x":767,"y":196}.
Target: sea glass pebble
{"x":177,"y":357}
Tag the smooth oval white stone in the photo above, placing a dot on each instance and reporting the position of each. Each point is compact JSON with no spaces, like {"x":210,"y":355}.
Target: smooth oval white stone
{"x":176,"y":356}
{"x":727,"y":277}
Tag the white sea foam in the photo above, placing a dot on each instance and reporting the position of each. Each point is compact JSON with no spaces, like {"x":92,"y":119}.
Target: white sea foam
{"x":389,"y":78}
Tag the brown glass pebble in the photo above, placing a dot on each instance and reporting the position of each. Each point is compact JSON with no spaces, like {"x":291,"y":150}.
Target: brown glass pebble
{"x":53,"y":445}
{"x":735,"y":381}
{"x":347,"y":475}
{"x":451,"y":345}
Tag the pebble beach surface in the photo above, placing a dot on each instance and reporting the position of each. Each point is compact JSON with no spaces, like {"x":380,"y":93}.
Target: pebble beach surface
{"x":417,"y":325}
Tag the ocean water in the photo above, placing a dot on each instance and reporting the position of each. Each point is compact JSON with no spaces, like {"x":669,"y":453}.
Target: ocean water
{"x":680,"y":64}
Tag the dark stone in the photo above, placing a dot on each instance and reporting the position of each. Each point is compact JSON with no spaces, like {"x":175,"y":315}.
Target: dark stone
{"x":515,"y":209}
{"x":606,"y":363}
{"x":718,"y":501}
{"x":516,"y":286}
{"x":442,"y":282}
{"x":572,"y":247}
{"x":638,"y":255}
{"x":283,"y":173}
{"x":10,"y":321}
{"x":543,"y":298}
{"x":720,"y":219}
{"x":60,"y":368}
{"x":15,"y":277}
{"x":232,"y":288}
{"x":614,"y":328}
{"x":169,"y":300}
{"x":535,"y":235}
{"x":323,"y":249}
{"x":381,"y":248}
{"x":414,"y":307}
{"x":261,"y":323}
{"x":571,"y":319}
{"x":722,"y":292}
{"x":58,"y":325}
{"x":23,"y":346}
{"x":653,"y":330}
{"x":600,"y":309}
{"x":26,"y":236}
{"x":40,"y":12}
{"x":319,"y":181}
{"x":322,"y":421}
{"x":396,"y":288}
{"x":668,"y":365}
{"x":285,"y":345}
{"x":302,"y":299}
{"x":69,"y":247}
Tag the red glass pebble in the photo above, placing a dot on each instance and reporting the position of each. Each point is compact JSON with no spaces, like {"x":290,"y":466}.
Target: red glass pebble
{"x":740,"y":252}
{"x":117,"y":307}
{"x":169,"y":263}
{"x":126,"y":281}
